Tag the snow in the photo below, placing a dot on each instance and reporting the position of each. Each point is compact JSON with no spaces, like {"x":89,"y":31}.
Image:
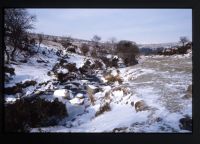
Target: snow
{"x":109,"y":56}
{"x":28,"y":72}
{"x":114,"y":73}
{"x":92,"y":87}
{"x":76,"y":101}
{"x":60,"y":93}
{"x":64,"y":71}
{"x":79,"y":95}
{"x":161,"y":81}
{"x":77,"y":59}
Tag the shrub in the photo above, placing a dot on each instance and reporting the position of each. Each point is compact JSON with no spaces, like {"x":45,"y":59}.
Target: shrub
{"x":71,"y":67}
{"x":105,"y":107}
{"x":72,"y":50}
{"x":13,"y":90}
{"x":114,"y":62}
{"x":186,"y":123}
{"x":65,"y":77}
{"x":66,"y":42}
{"x":37,"y":112}
{"x":92,"y":99}
{"x":110,"y":62}
{"x":94,"y":53}
{"x":112,"y":79}
{"x":27,"y":84}
{"x":97,"y":65}
{"x":128,"y":52}
{"x":106,"y":61}
{"x":9,"y":70}
{"x":84,"y":49}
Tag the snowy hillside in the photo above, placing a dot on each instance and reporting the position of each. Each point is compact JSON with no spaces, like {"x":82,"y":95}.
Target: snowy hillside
{"x":148,"y":97}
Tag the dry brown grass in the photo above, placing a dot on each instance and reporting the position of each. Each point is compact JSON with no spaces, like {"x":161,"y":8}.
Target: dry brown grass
{"x":112,"y":79}
{"x":105,"y":107}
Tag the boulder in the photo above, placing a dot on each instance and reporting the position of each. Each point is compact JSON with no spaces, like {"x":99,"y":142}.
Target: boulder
{"x":92,"y":89}
{"x":141,"y":106}
{"x":188,"y":93}
{"x":189,"y":89}
{"x":120,"y":129}
{"x":9,"y":70}
{"x":186,"y":123}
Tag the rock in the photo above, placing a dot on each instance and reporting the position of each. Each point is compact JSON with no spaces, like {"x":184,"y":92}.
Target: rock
{"x":187,"y":96}
{"x":189,"y":89}
{"x":120,"y":129}
{"x":189,"y":93}
{"x":186,"y":123}
{"x":141,"y":106}
{"x":61,"y":93}
{"x":27,"y":83}
{"x":132,"y":103}
{"x":77,"y":101}
{"x":24,"y":61}
{"x":42,"y":61}
{"x":13,"y":90}
{"x":92,"y":89}
{"x":9,"y":70}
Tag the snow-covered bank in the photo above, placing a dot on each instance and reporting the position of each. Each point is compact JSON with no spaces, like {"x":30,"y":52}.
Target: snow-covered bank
{"x":159,"y":81}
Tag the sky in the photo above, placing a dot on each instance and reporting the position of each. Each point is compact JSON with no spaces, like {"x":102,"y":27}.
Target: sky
{"x":138,"y":25}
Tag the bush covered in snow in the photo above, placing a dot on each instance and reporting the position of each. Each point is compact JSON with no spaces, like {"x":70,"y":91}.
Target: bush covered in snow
{"x":28,"y":113}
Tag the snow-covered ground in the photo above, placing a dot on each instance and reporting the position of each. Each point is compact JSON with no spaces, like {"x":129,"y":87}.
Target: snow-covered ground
{"x":160,"y":81}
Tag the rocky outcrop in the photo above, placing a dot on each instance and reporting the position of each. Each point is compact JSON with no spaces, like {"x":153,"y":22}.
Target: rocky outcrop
{"x":186,"y":123}
{"x":141,"y":106}
{"x":188,"y":93}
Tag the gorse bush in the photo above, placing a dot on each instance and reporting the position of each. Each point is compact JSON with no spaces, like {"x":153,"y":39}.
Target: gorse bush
{"x":29,"y":112}
{"x":128,"y":52}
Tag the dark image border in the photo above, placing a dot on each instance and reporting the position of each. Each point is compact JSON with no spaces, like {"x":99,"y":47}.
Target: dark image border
{"x":99,"y":138}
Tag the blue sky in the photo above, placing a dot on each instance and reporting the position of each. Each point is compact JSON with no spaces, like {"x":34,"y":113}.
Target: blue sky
{"x":139,"y":25}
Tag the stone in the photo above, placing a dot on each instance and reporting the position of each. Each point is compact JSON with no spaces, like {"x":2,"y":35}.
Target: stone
{"x":92,"y":89}
{"x":141,"y":106}
{"x":186,"y":123}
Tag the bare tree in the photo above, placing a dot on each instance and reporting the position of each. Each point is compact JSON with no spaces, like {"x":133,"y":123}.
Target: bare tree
{"x":96,"y":38}
{"x":16,"y":24}
{"x":184,"y":40}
